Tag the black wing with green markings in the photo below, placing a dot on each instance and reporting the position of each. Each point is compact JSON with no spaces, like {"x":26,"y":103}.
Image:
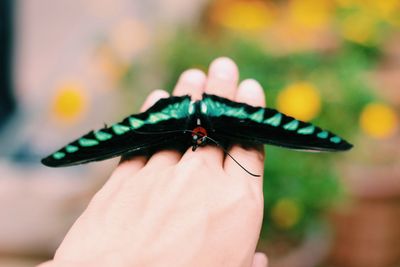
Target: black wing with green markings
{"x":169,"y":123}
{"x":135,"y":134}
{"x":242,"y":123}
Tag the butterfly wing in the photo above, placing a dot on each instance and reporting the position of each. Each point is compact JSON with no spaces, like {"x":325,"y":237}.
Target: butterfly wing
{"x":242,"y":123}
{"x":161,"y":125}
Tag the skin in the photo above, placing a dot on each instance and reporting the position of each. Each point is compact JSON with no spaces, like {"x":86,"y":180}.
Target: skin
{"x":195,"y":209}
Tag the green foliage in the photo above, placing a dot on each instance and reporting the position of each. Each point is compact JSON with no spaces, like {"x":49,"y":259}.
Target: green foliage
{"x":308,"y":179}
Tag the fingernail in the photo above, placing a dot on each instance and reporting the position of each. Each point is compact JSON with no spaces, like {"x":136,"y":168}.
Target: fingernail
{"x":260,"y":259}
{"x":153,"y":98}
{"x":159,"y":93}
{"x":223,"y":68}
{"x":193,"y":76}
{"x":250,"y":88}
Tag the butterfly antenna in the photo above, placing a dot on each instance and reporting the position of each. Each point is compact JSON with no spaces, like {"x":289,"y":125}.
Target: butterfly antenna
{"x":162,"y":132}
{"x":209,"y":138}
{"x":226,"y":152}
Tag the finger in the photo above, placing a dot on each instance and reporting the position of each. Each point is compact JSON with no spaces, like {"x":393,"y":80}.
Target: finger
{"x":222,"y":80}
{"x":128,"y":165}
{"x":191,"y":82}
{"x":259,"y":260}
{"x":153,"y":98}
{"x":223,"y":76}
{"x":249,"y":92}
{"x":164,"y":158}
{"x":133,"y":164}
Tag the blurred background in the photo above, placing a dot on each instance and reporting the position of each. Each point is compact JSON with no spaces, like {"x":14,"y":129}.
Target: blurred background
{"x":69,"y":66}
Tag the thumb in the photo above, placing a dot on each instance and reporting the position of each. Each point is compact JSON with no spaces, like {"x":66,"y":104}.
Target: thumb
{"x":259,"y":260}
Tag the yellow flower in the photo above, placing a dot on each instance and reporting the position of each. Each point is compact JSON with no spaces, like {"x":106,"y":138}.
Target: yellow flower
{"x":378,"y":120}
{"x":243,"y":15}
{"x":360,"y":28}
{"x":362,"y":23}
{"x":381,"y":9}
{"x":312,"y":14}
{"x":286,"y":213}
{"x":386,"y":9}
{"x":300,"y":100}
{"x":346,"y":3}
{"x":69,"y":102}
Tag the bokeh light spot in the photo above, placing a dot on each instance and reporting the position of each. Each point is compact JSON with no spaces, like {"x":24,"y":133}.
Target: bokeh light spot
{"x":359,"y":28}
{"x":286,"y":213}
{"x":300,"y":100}
{"x":70,"y":102}
{"x":311,"y":13}
{"x":244,"y":15}
{"x":378,"y":120}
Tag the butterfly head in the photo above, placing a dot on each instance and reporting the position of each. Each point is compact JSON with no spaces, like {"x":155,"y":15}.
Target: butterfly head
{"x":199,"y":136}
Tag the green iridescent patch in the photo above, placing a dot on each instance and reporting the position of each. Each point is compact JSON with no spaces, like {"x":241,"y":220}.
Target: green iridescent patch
{"x":191,"y":108}
{"x":71,"y":148}
{"x":176,"y":110}
{"x":335,"y":139}
{"x":236,"y":112}
{"x":85,"y":142}
{"x":203,"y":107}
{"x":59,"y":155}
{"x":173,"y":111}
{"x":291,"y":126}
{"x":257,"y":116}
{"x":323,"y":134}
{"x":213,"y":108}
{"x":120,"y":129}
{"x":274,"y":120}
{"x":156,"y":117}
{"x":307,"y":130}
{"x":102,"y":136}
{"x":216,"y":109}
{"x":136,"y":123}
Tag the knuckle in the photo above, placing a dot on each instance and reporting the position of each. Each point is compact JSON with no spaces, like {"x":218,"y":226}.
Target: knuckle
{"x":192,"y":165}
{"x":251,"y":197}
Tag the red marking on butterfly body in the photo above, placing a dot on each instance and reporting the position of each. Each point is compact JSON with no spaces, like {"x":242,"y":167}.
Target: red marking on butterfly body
{"x":199,"y":131}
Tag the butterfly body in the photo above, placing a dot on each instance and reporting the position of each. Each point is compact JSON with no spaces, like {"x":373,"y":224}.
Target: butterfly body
{"x":179,"y":122}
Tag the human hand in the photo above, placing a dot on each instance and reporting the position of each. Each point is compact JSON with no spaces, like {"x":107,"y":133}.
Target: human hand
{"x":195,"y":209}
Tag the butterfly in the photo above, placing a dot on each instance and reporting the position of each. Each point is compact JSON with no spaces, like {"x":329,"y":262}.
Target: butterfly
{"x":178,"y":122}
